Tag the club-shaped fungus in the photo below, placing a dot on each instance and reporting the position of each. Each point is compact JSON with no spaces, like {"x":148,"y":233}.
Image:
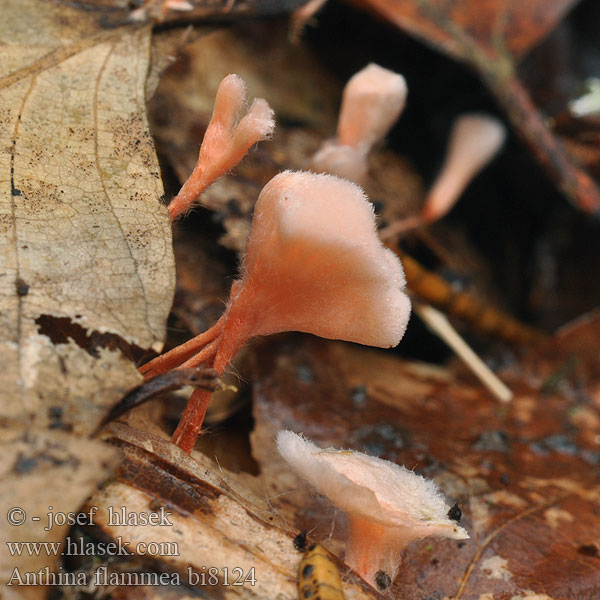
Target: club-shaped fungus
{"x":474,"y":140}
{"x":313,"y":263}
{"x":228,"y":138}
{"x":372,"y":102}
{"x":387,"y":505}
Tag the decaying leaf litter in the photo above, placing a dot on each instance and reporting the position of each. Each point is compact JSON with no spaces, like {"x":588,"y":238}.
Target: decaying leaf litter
{"x":530,"y":465}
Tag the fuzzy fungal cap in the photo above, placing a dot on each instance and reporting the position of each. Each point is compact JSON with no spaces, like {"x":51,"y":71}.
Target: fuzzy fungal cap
{"x":373,"y":100}
{"x":474,"y":140}
{"x":314,"y":263}
{"x":387,"y":505}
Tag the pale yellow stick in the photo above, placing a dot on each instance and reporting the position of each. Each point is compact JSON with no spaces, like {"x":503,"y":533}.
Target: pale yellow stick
{"x":439,"y":324}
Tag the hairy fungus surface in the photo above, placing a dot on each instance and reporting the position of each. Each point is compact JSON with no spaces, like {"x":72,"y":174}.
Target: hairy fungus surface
{"x":313,"y":263}
{"x":387,"y":505}
{"x":228,"y":138}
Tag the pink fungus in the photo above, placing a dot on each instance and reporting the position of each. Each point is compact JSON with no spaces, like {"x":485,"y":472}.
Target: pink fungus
{"x":313,"y":263}
{"x":228,"y":138}
{"x":387,"y":505}
{"x":373,"y":100}
{"x":474,"y":140}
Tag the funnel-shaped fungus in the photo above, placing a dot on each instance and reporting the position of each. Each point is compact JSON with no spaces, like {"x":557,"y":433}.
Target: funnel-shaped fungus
{"x":313,"y":263}
{"x":228,"y":138}
{"x":387,"y":505}
{"x":474,"y":140}
{"x":372,"y":102}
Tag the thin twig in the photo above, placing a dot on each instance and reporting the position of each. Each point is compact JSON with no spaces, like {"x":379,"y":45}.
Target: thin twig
{"x":440,"y":325}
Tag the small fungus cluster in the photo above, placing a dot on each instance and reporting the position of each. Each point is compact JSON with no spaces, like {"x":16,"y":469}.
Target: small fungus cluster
{"x":373,"y":100}
{"x":315,"y":263}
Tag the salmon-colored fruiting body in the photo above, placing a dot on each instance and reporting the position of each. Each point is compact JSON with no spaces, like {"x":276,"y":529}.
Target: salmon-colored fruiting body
{"x":313,"y":263}
{"x":474,"y":140}
{"x":372,"y":102}
{"x":227,"y":140}
{"x":374,"y":548}
{"x":387,"y":505}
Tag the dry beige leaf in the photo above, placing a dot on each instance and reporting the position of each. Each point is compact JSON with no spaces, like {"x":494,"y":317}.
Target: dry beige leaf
{"x":86,"y":265}
{"x":86,"y":246}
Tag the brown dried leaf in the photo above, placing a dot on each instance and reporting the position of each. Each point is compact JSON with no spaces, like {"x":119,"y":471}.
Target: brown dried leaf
{"x":495,"y":26}
{"x":201,"y":290}
{"x":570,"y":365}
{"x":521,"y":474}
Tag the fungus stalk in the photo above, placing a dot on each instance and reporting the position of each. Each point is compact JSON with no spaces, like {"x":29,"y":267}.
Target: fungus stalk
{"x":387,"y":505}
{"x":313,"y":263}
{"x":227,"y":140}
{"x":372,"y":101}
